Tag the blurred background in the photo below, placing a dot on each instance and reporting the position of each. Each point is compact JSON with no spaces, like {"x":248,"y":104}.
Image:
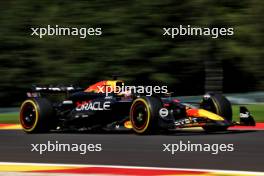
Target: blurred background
{"x":132,"y":45}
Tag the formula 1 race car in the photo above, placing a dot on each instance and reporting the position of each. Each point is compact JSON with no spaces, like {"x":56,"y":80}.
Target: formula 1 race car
{"x":62,"y":108}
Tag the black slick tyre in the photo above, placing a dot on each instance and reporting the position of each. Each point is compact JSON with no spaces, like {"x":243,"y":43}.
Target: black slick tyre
{"x":35,"y":115}
{"x":144,"y":114}
{"x":219,"y":105}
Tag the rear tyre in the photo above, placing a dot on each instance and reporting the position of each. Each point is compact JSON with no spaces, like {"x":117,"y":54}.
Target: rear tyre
{"x":219,"y":105}
{"x":35,"y":115}
{"x":144,"y":115}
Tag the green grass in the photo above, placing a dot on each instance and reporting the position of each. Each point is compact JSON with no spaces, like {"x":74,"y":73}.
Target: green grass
{"x":9,"y":117}
{"x":256,"y":110}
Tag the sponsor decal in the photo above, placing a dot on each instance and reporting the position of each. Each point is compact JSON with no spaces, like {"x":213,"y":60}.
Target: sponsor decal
{"x":163,"y":112}
{"x":93,"y":106}
{"x":245,"y":115}
{"x":185,"y":121}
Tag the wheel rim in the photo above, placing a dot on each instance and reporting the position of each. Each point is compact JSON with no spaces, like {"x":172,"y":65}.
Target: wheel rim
{"x":28,"y":115}
{"x":139,"y":115}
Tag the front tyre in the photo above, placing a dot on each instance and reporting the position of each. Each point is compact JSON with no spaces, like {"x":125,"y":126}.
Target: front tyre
{"x":144,"y":114}
{"x":35,"y":115}
{"x":219,"y":105}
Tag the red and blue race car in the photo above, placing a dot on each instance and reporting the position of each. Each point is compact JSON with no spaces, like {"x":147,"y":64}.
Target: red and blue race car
{"x":62,"y":108}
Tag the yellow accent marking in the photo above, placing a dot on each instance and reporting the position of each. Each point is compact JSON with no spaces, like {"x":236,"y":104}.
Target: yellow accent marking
{"x":144,"y":101}
{"x":209,"y":115}
{"x":24,"y":168}
{"x":198,"y":174}
{"x":128,"y":124}
{"x":37,"y":114}
{"x":191,"y":129}
{"x":11,"y":127}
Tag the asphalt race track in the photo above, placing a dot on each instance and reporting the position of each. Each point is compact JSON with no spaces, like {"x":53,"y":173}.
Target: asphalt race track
{"x":134,"y":150}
